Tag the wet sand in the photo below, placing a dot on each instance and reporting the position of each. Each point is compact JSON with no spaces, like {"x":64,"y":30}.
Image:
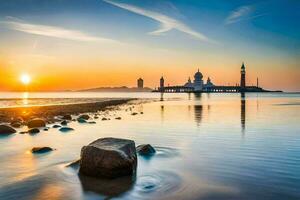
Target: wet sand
{"x":49,"y":112}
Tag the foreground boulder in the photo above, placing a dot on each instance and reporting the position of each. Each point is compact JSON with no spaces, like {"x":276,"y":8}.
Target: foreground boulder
{"x":145,"y":149}
{"x":5,"y":129}
{"x":109,"y":158}
{"x":41,"y":149}
{"x":36,"y":123}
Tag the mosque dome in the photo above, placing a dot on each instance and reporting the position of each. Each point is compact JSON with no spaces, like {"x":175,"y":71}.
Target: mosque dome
{"x":198,"y":75}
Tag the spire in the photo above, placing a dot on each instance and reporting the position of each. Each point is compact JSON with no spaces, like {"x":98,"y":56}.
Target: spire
{"x":243,"y":66}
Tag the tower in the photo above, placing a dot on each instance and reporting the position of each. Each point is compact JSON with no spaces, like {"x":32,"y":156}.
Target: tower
{"x":198,"y":82}
{"x":162,"y":84}
{"x":243,"y":77}
{"x":140,"y":83}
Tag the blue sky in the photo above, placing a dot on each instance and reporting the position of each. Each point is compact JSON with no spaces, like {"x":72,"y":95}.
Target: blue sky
{"x":247,"y":30}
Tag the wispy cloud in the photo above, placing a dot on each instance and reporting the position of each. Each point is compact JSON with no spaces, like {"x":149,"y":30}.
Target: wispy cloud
{"x":238,"y":14}
{"x":52,"y":31}
{"x":166,"y":23}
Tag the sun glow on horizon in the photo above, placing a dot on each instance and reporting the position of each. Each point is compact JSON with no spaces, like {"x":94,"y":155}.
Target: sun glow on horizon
{"x":25,"y":79}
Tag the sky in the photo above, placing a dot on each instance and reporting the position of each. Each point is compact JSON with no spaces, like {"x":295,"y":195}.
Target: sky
{"x":80,"y":44}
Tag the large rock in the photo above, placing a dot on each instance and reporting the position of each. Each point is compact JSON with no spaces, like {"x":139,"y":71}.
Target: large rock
{"x":5,"y":129}
{"x":35,"y":123}
{"x":109,"y":158}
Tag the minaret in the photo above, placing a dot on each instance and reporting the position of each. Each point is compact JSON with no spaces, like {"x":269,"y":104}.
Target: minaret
{"x":162,"y":84}
{"x":243,"y":77}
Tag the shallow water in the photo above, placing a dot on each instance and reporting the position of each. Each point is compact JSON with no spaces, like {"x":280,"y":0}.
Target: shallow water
{"x":209,"y":146}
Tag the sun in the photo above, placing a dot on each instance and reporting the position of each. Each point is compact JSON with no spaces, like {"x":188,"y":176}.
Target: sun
{"x":25,"y":79}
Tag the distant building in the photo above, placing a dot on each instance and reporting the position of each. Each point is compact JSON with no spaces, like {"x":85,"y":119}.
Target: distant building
{"x":198,"y":84}
{"x":243,"y":77}
{"x":140,"y":83}
{"x":161,"y":83}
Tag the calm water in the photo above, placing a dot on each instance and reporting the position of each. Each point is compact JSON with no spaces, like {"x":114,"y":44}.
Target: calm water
{"x":216,"y":146}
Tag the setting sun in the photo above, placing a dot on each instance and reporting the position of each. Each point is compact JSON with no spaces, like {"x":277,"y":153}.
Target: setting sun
{"x":25,"y":79}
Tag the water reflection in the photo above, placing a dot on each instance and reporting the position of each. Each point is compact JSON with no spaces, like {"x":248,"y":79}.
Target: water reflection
{"x":107,"y":187}
{"x":198,"y":109}
{"x":243,"y":112}
{"x":161,"y":96}
{"x":25,"y":96}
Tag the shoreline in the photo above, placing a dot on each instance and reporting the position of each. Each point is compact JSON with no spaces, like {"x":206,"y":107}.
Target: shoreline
{"x":49,"y":112}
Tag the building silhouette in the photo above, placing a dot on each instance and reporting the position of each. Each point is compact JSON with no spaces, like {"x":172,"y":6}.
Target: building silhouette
{"x":161,"y":84}
{"x":140,"y":83}
{"x":243,"y":77}
{"x":198,"y":85}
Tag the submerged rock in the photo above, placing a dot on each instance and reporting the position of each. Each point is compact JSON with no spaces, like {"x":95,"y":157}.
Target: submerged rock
{"x":41,"y":149}
{"x":35,"y":123}
{"x":66,"y":129}
{"x":109,"y":158}
{"x":5,"y":129}
{"x":145,"y":149}
{"x":33,"y":130}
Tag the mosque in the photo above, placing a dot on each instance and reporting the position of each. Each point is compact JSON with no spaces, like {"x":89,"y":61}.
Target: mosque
{"x":198,"y":85}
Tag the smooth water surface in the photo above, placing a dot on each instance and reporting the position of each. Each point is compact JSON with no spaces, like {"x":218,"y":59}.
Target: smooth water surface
{"x":209,"y":146}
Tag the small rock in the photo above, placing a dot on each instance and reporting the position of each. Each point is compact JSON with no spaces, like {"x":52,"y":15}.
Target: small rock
{"x":80,"y":120}
{"x":46,"y":129}
{"x":16,"y":124}
{"x":41,"y":149}
{"x":118,"y":118}
{"x":23,"y":132}
{"x":67,"y":117}
{"x":109,"y":158}
{"x":56,"y":126}
{"x":64,"y":123}
{"x":66,"y":129}
{"x":141,"y":113}
{"x":5,"y":129}
{"x":134,"y":113}
{"x":33,"y":131}
{"x":85,"y":116}
{"x":145,"y":149}
{"x":96,"y":117}
{"x":104,"y":119}
{"x":92,"y":122}
{"x":35,"y":123}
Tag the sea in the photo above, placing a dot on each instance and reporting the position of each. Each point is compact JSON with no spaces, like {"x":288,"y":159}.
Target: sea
{"x":208,"y":146}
